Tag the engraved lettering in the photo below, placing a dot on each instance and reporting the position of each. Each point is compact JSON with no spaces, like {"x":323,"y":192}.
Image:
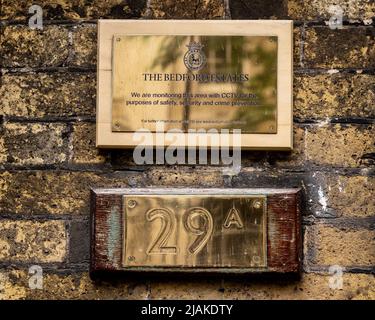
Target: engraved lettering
{"x":202,"y":230}
{"x":233,"y":218}
{"x":159,"y":246}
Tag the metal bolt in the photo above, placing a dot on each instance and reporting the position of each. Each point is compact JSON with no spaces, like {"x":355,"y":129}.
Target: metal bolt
{"x":257,"y":204}
{"x":132,"y":204}
{"x":256,"y":259}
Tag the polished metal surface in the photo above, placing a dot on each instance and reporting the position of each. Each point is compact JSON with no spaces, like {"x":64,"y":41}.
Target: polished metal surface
{"x":209,"y":231}
{"x":194,"y":82}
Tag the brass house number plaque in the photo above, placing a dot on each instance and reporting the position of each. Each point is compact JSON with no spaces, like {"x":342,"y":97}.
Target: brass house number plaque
{"x":196,"y":230}
{"x":193,"y":77}
{"x":199,"y":231}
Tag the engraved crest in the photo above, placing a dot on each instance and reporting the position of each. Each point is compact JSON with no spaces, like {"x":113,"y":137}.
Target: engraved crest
{"x":194,"y":58}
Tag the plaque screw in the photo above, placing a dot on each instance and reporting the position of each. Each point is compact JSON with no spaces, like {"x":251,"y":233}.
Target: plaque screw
{"x":132,"y":204}
{"x":256,"y":259}
{"x":118,"y":39}
{"x":131,"y":258}
{"x":257,"y":204}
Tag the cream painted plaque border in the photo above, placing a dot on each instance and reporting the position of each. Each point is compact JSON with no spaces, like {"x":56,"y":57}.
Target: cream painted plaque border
{"x":283,"y":29}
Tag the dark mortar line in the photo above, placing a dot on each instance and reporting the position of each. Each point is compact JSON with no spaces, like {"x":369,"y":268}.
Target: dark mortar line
{"x":352,"y":223}
{"x":308,"y":171}
{"x":343,"y":171}
{"x":93,"y":69}
{"x":308,"y":220}
{"x":104,"y":169}
{"x":71,"y":269}
{"x":336,"y":120}
{"x":51,"y":119}
{"x":309,"y":254}
{"x":297,"y":171}
{"x":92,"y":119}
{"x":328,"y":124}
{"x":36,"y":167}
{"x":69,"y":139}
{"x":319,"y":71}
{"x":322,"y":22}
{"x":227,"y":11}
{"x":110,"y":168}
{"x":49,"y":267}
{"x":228,"y":182}
{"x":346,"y":23}
{"x":297,"y":23}
{"x":88,"y":167}
{"x":302,"y":31}
{"x":59,"y":268}
{"x":70,"y":23}
{"x":52,"y":70}
{"x":307,"y":223}
{"x":353,"y":120}
{"x":304,"y":170}
{"x":43,"y":217}
{"x":75,"y":120}
{"x":370,"y":270}
{"x":302,"y":122}
{"x":196,"y":9}
{"x":324,"y":270}
{"x":71,"y":52}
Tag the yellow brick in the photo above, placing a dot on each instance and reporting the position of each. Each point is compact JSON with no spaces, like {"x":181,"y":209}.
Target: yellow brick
{"x":315,"y":10}
{"x":341,"y":146}
{"x":194,"y":9}
{"x":35,"y":143}
{"x":31,"y":241}
{"x":84,"y":148}
{"x":343,"y":247}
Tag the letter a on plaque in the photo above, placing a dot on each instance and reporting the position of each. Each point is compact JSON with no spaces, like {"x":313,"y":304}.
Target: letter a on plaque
{"x":233,"y":218}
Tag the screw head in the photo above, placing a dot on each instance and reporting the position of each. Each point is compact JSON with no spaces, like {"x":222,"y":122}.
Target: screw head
{"x":256,"y":259}
{"x":257,"y":204}
{"x":132,"y":204}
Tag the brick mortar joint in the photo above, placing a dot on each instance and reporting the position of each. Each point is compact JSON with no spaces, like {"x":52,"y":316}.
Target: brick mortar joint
{"x":60,"y":268}
{"x":108,"y":169}
{"x":302,"y":45}
{"x":74,"y":69}
{"x":301,"y":123}
{"x":148,"y":15}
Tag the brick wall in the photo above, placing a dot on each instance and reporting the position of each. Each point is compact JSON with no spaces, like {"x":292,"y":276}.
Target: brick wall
{"x":48,"y":159}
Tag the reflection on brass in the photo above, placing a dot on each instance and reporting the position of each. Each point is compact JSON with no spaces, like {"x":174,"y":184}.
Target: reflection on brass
{"x":194,"y":82}
{"x":195,"y":231}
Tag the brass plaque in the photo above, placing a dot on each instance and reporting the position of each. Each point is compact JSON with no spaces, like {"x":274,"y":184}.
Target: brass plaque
{"x":163,"y":82}
{"x":204,"y":231}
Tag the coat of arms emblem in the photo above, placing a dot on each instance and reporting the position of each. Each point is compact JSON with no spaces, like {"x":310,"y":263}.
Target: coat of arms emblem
{"x":194,"y":58}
